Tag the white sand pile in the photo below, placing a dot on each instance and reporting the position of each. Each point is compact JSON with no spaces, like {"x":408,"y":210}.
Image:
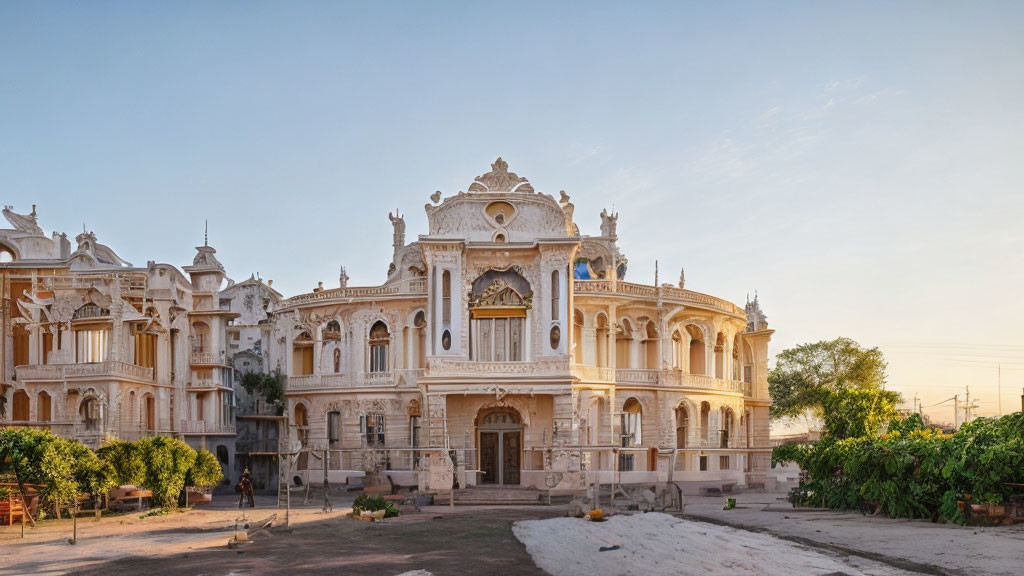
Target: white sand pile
{"x":658,"y":544}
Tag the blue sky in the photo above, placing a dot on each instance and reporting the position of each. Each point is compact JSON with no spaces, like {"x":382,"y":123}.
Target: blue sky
{"x":859,"y":164}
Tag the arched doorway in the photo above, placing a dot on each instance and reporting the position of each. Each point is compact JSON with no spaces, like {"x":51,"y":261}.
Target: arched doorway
{"x":500,"y":442}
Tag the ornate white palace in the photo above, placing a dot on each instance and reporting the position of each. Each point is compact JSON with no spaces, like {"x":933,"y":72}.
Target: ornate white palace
{"x":509,"y":341}
{"x":504,"y":347}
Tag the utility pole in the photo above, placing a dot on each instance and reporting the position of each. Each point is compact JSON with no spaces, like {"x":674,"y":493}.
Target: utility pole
{"x":956,"y":410}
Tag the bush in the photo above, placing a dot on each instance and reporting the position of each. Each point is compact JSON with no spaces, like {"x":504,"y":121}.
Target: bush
{"x":205,"y":471}
{"x":910,"y":472}
{"x":372,"y":504}
{"x":168,"y":462}
{"x":126,"y":460}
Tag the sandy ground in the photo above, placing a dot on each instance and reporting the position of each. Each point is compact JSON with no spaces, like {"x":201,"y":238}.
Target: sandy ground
{"x":661,"y":545}
{"x":915,"y":545}
{"x":442,"y":541}
{"x":439,"y":542}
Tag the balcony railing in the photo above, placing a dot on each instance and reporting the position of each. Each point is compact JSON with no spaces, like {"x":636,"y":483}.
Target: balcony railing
{"x":378,"y":379}
{"x":204,"y":383}
{"x":654,"y":292}
{"x":204,"y":427}
{"x":414,"y":286}
{"x":637,"y":376}
{"x":204,"y":358}
{"x":592,"y":373}
{"x":405,"y":377}
{"x":61,"y":371}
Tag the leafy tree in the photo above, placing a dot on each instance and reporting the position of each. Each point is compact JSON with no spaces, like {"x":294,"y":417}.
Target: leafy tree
{"x":270,"y":386}
{"x":810,"y":378}
{"x":205,"y":471}
{"x":857,"y":413}
{"x":127,"y":462}
{"x":168,"y":462}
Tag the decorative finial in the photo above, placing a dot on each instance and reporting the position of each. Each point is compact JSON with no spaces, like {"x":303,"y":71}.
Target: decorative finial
{"x":206,"y":232}
{"x":682,"y":278}
{"x":435,"y":197}
{"x":655,"y":272}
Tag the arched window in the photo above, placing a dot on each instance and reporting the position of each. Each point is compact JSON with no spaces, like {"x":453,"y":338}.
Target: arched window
{"x":632,"y":420}
{"x":556,"y":294}
{"x":602,"y":340}
{"x":130,"y":417}
{"x":380,"y":338}
{"x":736,"y":358}
{"x":697,"y":354}
{"x":90,"y":414}
{"x":577,"y":337}
{"x":728,"y":426}
{"x":651,"y":347}
{"x":337,"y":360}
{"x":150,"y":408}
{"x":748,"y":363}
{"x":302,"y":355}
{"x":623,"y":343}
{"x":677,"y":350}
{"x":19,"y":407}
{"x":682,"y":425}
{"x":44,"y":410}
{"x":419,"y":323}
{"x":446,"y":298}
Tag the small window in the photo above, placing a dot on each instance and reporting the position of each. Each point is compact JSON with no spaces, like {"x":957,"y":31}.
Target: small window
{"x":703,"y":463}
{"x":723,"y":462}
{"x":372,"y":428}
{"x":379,"y":340}
{"x":499,"y":239}
{"x":446,"y":298}
{"x":414,"y":431}
{"x":334,"y":426}
{"x":626,"y":462}
{"x":556,"y":337}
{"x":446,"y":340}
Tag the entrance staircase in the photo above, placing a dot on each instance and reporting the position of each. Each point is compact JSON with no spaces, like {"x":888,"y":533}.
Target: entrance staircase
{"x":494,"y":496}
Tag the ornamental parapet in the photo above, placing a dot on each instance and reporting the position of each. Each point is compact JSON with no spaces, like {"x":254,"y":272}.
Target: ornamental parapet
{"x":357,"y":380}
{"x":664,"y":293}
{"x":670,"y":378}
{"x":447,"y":367}
{"x":413,"y":287}
{"x":111,"y":369}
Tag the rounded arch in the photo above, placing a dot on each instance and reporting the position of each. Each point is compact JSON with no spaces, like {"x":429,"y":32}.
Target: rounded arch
{"x":623,"y":343}
{"x":602,"y":331}
{"x":90,"y":413}
{"x":498,"y":417}
{"x":720,"y":355}
{"x":705,"y":421}
{"x":650,"y":345}
{"x":8,"y":253}
{"x":728,"y":426}
{"x":632,"y":422}
{"x":148,"y":407}
{"x":44,"y":406}
{"x":378,"y":343}
{"x":682,"y":417}
{"x":20,"y":406}
{"x":698,"y":349}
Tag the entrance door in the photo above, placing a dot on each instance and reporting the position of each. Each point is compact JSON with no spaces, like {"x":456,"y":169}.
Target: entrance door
{"x":510,"y":457}
{"x":500,"y":442}
{"x":489,"y":457}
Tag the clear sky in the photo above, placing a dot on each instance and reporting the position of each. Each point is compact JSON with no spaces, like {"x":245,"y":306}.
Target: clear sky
{"x":858,"y":164}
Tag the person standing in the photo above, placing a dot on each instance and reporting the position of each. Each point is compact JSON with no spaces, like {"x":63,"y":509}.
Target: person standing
{"x":244,"y":487}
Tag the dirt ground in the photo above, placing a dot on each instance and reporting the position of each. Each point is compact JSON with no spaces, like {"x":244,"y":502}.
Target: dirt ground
{"x":463,"y":541}
{"x":440,"y":540}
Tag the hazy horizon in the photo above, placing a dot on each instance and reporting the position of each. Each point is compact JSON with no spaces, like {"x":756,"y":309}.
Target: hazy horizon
{"x":859,"y":166}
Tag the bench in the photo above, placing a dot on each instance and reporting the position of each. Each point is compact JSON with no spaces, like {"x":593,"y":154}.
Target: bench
{"x":11,"y":508}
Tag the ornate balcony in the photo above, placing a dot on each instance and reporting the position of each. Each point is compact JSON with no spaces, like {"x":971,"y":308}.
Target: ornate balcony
{"x":204,"y":427}
{"x":206,"y":359}
{"x":110,"y":369}
{"x":665,"y":293}
{"x":593,"y":373}
{"x":636,"y":376}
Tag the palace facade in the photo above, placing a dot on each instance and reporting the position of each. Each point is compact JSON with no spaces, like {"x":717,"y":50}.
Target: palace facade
{"x":504,"y":347}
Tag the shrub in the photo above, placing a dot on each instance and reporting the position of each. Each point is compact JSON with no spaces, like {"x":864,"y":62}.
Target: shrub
{"x":372,"y":504}
{"x":126,"y":460}
{"x":205,"y":471}
{"x":168,"y":462}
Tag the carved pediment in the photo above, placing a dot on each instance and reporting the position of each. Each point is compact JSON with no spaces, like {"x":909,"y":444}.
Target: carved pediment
{"x":499,"y":179}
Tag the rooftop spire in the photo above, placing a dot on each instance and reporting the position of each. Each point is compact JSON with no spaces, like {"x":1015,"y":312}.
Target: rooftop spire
{"x":206,"y":232}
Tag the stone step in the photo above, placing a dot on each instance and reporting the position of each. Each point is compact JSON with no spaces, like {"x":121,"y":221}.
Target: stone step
{"x":493,"y":495}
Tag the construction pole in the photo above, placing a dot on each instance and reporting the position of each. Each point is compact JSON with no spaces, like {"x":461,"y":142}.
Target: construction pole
{"x":999,"y":386}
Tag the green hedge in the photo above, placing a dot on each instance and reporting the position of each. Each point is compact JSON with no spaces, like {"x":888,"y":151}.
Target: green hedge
{"x":910,"y":472}
{"x":65,"y":468}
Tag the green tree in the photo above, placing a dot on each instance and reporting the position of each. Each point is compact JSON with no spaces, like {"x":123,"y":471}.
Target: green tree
{"x":811,"y":377}
{"x":168,"y":462}
{"x":270,"y":386}
{"x":205,"y":471}
{"x":126,"y":460}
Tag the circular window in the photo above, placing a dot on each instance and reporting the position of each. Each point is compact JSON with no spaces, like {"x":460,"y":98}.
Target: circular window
{"x":446,"y":340}
{"x":556,"y":337}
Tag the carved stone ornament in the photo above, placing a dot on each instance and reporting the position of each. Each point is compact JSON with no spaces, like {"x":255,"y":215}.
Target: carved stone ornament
{"x":499,"y":179}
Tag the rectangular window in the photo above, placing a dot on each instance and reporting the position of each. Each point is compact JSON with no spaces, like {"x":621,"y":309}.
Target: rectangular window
{"x":414,"y":431}
{"x":723,"y":462}
{"x":334,"y":427}
{"x":626,"y":462}
{"x":703,"y":463}
{"x":379,"y":358}
{"x":446,"y":297}
{"x":372,"y":429}
{"x":91,"y":345}
{"x":556,"y":293}
{"x":498,"y":339}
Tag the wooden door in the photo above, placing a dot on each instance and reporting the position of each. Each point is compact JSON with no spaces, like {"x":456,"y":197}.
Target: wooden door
{"x":510,"y":457}
{"x":489,"y":457}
